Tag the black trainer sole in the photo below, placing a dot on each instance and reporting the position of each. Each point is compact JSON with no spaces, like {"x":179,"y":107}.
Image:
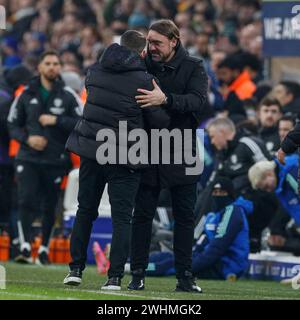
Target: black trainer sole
{"x":72,"y":282}
{"x":134,"y":289}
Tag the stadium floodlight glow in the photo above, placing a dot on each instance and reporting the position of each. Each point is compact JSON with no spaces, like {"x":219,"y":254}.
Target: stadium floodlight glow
{"x":2,"y":18}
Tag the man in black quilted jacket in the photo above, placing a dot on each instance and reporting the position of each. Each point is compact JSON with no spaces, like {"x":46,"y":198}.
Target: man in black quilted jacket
{"x":112,"y":85}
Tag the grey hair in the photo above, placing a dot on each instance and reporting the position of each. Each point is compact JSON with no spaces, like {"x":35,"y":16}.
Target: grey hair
{"x":221,"y":123}
{"x":257,"y":171}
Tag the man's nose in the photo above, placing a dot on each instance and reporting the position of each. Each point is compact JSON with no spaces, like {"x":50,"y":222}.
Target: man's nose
{"x":152,"y":47}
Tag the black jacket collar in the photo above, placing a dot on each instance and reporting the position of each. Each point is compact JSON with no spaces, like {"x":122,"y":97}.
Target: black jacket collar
{"x":268,"y":131}
{"x":118,"y":58}
{"x":232,"y":144}
{"x":180,"y":54}
{"x":174,"y":63}
{"x":35,"y":83}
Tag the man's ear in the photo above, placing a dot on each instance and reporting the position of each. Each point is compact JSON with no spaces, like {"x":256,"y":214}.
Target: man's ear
{"x":174,"y":42}
{"x":143,"y":54}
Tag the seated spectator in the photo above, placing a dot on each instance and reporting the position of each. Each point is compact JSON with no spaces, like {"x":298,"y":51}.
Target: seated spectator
{"x":290,"y":144}
{"x":231,"y":72}
{"x":288,"y":94}
{"x":269,"y":113}
{"x":9,"y":48}
{"x":237,"y":152}
{"x":286,"y":124}
{"x":271,"y":176}
{"x":222,"y":249}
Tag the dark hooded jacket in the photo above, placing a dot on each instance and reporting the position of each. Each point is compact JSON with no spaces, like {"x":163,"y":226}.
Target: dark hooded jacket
{"x":112,"y":85}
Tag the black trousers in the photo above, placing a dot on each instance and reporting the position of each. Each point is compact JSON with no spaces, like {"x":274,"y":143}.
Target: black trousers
{"x":38,"y":192}
{"x":122,"y":188}
{"x":183,"y":202}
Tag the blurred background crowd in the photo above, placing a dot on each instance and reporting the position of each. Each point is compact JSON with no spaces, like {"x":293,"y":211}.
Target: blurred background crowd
{"x":226,"y":34}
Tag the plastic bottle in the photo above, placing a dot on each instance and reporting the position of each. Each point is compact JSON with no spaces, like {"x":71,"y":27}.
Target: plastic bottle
{"x":4,"y":246}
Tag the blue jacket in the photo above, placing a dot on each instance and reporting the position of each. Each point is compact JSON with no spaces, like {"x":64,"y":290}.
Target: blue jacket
{"x":287,"y":187}
{"x":227,"y":240}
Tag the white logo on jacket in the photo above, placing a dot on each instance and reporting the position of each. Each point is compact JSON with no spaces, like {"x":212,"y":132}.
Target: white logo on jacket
{"x":58,"y":102}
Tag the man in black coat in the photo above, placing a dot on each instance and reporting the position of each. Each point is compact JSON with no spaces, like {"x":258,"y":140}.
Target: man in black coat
{"x":41,"y":119}
{"x":112,"y":84}
{"x":269,"y":114}
{"x":183,"y":94}
{"x":290,"y":144}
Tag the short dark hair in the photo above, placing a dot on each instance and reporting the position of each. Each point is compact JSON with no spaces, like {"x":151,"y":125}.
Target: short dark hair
{"x":133,"y":40}
{"x":50,"y":52}
{"x":291,"y":87}
{"x":269,"y":101}
{"x":166,"y":28}
{"x":289,"y":117}
{"x":250,"y":60}
{"x":232,"y":62}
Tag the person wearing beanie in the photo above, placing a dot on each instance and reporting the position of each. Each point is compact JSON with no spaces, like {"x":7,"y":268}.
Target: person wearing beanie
{"x":222,"y":249}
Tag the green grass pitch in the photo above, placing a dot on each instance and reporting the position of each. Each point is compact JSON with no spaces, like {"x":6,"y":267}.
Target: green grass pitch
{"x":32,"y":282}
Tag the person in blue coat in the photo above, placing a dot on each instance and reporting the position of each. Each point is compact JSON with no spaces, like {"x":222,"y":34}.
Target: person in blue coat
{"x":223,"y":248}
{"x":271,"y":176}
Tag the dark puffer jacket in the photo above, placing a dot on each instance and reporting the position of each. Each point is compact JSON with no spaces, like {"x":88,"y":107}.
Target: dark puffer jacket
{"x":112,"y":85}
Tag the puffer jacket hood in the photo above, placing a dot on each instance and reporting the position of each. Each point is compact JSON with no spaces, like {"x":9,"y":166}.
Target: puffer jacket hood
{"x":118,"y":58}
{"x":247,"y":205}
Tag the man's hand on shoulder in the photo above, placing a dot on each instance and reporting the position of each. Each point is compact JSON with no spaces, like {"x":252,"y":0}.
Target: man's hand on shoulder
{"x":151,"y":98}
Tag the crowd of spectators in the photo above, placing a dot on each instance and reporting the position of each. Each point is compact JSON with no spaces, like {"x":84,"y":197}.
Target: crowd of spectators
{"x":226,"y":34}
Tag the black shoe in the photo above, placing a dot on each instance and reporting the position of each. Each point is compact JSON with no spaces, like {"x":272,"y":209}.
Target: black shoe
{"x":24,"y":257}
{"x":42,"y":259}
{"x":136,"y":283}
{"x":73,"y":278}
{"x":187,"y":284}
{"x":113,"y":283}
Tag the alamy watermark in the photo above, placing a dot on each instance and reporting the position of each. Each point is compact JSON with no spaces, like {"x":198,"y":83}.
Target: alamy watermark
{"x":2,"y":278}
{"x":2,"y":18}
{"x":157,"y":146}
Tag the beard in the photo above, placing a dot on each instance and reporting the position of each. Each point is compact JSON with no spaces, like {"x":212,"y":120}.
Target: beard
{"x":160,"y":57}
{"x":157,"y":57}
{"x":269,"y":123}
{"x":51,"y":77}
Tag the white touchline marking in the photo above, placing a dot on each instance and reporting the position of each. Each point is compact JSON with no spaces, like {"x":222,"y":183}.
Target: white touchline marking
{"x":123,"y":294}
{"x":92,"y":291}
